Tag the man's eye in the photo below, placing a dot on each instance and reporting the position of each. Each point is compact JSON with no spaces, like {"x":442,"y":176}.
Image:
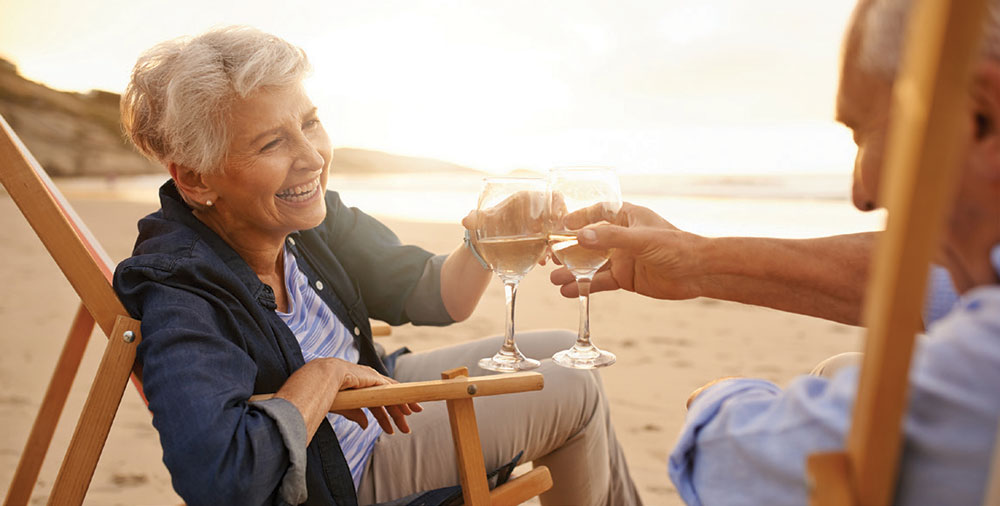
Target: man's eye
{"x":310,"y":124}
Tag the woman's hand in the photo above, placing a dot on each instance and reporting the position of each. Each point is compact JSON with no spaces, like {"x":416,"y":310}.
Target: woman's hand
{"x":650,"y":256}
{"x":520,"y":213}
{"x":315,"y":385}
{"x":360,"y":376}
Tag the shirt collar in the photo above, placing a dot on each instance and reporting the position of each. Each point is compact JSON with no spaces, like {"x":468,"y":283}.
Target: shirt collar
{"x":175,"y":209}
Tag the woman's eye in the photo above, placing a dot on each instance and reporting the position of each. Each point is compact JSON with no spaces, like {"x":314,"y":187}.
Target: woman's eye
{"x":310,"y":124}
{"x":270,"y":145}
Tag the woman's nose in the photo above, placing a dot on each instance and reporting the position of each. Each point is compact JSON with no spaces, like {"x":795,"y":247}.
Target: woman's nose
{"x":310,"y":154}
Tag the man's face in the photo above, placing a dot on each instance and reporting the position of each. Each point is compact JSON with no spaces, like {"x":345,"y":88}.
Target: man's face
{"x":973,"y":224}
{"x":863,"y":106}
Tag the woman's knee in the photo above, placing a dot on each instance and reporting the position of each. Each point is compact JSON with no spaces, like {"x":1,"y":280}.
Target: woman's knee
{"x":580,"y":391}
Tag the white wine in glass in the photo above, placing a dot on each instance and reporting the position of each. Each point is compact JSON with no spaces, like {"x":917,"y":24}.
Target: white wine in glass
{"x":511,"y":238}
{"x":576,"y":258}
{"x":581,"y":197}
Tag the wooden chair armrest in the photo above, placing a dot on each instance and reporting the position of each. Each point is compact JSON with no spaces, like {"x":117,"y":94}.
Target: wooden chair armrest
{"x":380,"y":329}
{"x":462,"y":387}
{"x":521,"y":488}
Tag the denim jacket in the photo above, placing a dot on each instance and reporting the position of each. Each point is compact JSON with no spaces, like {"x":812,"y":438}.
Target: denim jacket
{"x":211,"y":339}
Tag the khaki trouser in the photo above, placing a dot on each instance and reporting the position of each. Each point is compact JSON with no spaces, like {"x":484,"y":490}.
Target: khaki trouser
{"x":566,"y":426}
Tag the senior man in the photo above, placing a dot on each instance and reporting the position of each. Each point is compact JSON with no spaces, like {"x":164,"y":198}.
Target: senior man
{"x":745,"y":441}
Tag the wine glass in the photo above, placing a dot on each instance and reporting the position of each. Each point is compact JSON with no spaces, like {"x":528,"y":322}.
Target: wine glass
{"x":510,"y":236}
{"x":580,"y":197}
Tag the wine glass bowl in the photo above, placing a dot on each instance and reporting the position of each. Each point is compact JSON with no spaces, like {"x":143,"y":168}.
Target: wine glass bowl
{"x":510,"y":225}
{"x":581,"y":197}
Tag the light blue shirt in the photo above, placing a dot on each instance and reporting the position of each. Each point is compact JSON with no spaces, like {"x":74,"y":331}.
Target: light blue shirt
{"x":745,"y":441}
{"x":321,"y":335}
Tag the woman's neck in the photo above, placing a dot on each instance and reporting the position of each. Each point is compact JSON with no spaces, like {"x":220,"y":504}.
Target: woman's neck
{"x":264,"y":253}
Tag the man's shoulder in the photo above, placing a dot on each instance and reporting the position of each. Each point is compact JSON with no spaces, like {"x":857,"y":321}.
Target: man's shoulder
{"x":980,"y":305}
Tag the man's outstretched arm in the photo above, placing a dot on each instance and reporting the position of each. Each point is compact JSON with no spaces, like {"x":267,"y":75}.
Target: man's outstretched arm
{"x":823,"y":277}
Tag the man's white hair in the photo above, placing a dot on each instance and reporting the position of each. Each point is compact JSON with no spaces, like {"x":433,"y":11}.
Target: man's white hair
{"x":176,"y":107}
{"x":884,"y":29}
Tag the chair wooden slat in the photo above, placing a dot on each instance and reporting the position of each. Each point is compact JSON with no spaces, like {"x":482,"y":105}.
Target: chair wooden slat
{"x":98,"y":414}
{"x":524,"y":487}
{"x":465,"y":433}
{"x":992,"y":496}
{"x":40,"y":437}
{"x":72,"y":250}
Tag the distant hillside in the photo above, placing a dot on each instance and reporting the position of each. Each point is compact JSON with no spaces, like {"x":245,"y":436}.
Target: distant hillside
{"x":71,"y":134}
{"x":361,"y":161}
{"x":78,"y":134}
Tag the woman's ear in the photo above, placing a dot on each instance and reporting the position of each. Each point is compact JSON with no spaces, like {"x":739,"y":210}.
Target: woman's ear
{"x":986,"y":119}
{"x":192,"y":186}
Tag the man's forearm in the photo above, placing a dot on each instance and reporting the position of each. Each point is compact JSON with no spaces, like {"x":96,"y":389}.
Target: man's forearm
{"x":823,"y":277}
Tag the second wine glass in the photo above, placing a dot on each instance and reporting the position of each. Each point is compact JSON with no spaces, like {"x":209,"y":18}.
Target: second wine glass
{"x":510,"y":232}
{"x":578,"y":198}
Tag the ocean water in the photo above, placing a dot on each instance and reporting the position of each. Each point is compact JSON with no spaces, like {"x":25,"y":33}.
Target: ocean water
{"x":780,"y":205}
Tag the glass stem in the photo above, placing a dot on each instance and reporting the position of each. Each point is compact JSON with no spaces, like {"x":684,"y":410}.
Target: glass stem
{"x":583,"y":336}
{"x":510,"y":292}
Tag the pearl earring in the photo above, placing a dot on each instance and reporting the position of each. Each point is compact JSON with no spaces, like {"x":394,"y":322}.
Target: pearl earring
{"x":208,"y":203}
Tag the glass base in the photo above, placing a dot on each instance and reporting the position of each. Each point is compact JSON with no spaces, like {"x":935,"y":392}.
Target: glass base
{"x":502,"y":362}
{"x":584,"y":358}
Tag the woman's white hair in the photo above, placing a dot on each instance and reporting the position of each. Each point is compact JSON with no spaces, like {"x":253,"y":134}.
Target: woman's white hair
{"x":176,"y":106}
{"x":884,"y":29}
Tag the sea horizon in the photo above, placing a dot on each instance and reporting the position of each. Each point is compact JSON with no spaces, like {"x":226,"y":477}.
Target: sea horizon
{"x":780,"y":205}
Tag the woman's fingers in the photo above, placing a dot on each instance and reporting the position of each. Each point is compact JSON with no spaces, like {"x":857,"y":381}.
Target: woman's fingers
{"x":382,"y":418}
{"x":398,"y":414}
{"x":386,"y":416}
{"x":357,"y":416}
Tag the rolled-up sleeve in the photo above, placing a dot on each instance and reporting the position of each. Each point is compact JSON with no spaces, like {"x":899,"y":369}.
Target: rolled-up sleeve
{"x":293,"y":430}
{"x":745,"y":441}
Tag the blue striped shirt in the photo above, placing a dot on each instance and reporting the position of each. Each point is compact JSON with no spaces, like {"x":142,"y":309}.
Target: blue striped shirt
{"x":321,"y":335}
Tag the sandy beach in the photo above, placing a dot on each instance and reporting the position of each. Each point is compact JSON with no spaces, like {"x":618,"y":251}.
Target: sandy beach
{"x":665,"y":350}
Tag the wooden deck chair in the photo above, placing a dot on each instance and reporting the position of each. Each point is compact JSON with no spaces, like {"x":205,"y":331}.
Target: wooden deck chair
{"x":89,"y":269}
{"x":992,"y":496}
{"x":918,"y":187}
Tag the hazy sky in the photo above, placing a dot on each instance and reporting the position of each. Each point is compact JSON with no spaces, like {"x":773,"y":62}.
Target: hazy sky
{"x":645,"y":85}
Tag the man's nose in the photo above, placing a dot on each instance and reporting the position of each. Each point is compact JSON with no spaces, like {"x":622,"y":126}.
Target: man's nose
{"x":859,"y":195}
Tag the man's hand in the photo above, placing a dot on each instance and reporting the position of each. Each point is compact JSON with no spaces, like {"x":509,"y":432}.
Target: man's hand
{"x":694,"y":395}
{"x":651,"y":257}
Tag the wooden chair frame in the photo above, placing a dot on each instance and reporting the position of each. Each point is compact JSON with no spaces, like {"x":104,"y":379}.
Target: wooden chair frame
{"x":88,"y":269}
{"x":919,"y":180}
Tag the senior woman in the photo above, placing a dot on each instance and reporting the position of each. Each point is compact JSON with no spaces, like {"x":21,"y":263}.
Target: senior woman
{"x":252,"y":278}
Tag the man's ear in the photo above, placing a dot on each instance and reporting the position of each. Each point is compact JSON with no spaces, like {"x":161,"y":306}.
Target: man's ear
{"x":986,"y":119}
{"x":192,"y":185}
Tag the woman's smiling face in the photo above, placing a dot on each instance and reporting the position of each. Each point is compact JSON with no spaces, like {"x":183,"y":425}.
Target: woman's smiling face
{"x":274,"y":175}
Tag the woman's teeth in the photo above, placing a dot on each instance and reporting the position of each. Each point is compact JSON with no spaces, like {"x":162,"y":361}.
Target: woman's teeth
{"x":300,"y":192}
